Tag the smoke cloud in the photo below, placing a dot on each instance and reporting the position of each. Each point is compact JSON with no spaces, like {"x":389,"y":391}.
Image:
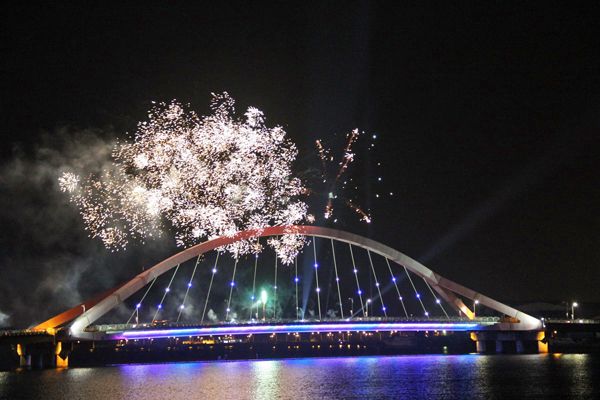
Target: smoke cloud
{"x":48,"y":262}
{"x":212,"y":316}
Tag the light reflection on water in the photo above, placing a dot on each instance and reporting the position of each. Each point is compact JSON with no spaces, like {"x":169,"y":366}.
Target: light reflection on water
{"x":400,"y":377}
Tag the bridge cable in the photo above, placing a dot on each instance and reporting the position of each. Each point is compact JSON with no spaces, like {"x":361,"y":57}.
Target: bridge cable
{"x":296,"y":281}
{"x":139,"y":305}
{"x":438,"y":301}
{"x":214,"y":271}
{"x":377,"y":284}
{"x":231,"y":285}
{"x":396,"y":285}
{"x":417,"y":294}
{"x":189,"y":285}
{"x":254,"y":280}
{"x":167,"y":290}
{"x":317,"y":276}
{"x":362,"y":304}
{"x":337,"y":280}
{"x":275,"y":290}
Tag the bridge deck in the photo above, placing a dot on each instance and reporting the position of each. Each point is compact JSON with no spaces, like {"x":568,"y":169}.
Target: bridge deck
{"x":135,"y":331}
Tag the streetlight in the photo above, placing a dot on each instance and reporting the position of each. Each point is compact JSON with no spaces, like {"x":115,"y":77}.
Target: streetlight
{"x":263,"y":296}
{"x":475,"y":308}
{"x":573,"y":309}
{"x":368,"y":302}
{"x":351,"y":307}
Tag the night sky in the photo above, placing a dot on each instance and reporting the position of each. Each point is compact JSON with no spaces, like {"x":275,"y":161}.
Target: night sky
{"x":486,"y":120}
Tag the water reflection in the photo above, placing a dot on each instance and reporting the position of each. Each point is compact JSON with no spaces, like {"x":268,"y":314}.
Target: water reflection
{"x":406,"y":377}
{"x":266,"y":379}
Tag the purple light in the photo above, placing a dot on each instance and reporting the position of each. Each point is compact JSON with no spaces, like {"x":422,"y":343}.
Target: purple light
{"x":418,"y":296}
{"x":139,"y":305}
{"x":360,"y":292}
{"x":426,"y":314}
{"x":383,"y":308}
{"x":252,"y":298}
{"x":275,"y":287}
{"x":337,"y":279}
{"x":256,"y":256}
{"x":182,"y":306}
{"x":296,"y":279}
{"x":232,"y":283}
{"x":377,"y":284}
{"x":228,"y":310}
{"x":214,"y":271}
{"x":335,"y":327}
{"x":316,"y":265}
{"x":400,"y":298}
{"x":167,"y":289}
{"x":160,"y":306}
{"x":318,"y":289}
{"x":190,"y":284}
{"x":355,"y":270}
{"x":393,"y":279}
{"x":437,"y":301}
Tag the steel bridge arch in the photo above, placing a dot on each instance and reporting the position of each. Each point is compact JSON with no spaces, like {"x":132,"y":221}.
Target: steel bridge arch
{"x":88,"y":312}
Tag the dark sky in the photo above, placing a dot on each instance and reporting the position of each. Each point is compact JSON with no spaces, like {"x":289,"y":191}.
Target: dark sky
{"x":486,"y":119}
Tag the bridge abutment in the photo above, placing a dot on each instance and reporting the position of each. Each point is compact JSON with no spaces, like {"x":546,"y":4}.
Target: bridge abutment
{"x":510,"y":341}
{"x":42,"y":355}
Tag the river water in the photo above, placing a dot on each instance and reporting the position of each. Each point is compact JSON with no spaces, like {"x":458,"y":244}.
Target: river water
{"x":547,"y":376}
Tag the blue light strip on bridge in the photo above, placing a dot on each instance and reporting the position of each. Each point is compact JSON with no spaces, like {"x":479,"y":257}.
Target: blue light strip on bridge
{"x":297,"y":328}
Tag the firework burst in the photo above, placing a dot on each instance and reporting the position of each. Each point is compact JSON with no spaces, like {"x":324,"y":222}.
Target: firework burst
{"x":208,"y":177}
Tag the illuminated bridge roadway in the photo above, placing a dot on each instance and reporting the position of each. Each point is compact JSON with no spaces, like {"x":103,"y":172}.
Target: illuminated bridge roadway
{"x":148,"y":331}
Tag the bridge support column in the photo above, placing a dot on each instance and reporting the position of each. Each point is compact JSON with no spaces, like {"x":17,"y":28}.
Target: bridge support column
{"x":520,"y":346}
{"x":499,"y":346}
{"x":479,"y":342}
{"x":25,"y":361}
{"x":542,"y":342}
{"x":61,"y":357}
{"x":481,"y":346}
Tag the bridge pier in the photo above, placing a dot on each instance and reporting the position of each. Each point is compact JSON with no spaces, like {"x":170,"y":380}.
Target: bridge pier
{"x":510,"y":341}
{"x":520,"y":346}
{"x":42,"y":355}
{"x":481,"y":348}
{"x":499,"y":346}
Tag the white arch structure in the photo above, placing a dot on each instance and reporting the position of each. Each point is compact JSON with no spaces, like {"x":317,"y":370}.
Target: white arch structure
{"x":86,"y":313}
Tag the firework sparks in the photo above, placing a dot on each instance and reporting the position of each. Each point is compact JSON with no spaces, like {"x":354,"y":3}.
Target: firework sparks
{"x":209,"y":177}
{"x":347,"y":158}
{"x":68,"y":182}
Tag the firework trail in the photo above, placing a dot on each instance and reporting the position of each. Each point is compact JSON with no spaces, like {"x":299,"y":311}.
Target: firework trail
{"x":207,"y":177}
{"x":347,"y":158}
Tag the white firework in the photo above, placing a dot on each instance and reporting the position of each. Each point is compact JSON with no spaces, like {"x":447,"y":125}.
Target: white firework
{"x":209,"y":177}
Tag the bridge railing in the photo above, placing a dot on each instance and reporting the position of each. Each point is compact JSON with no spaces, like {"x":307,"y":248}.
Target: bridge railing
{"x":22,"y":332}
{"x":282,"y":321}
{"x":570,"y":321}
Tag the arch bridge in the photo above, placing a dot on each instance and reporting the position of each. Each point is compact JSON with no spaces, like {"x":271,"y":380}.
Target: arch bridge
{"x":78,"y":322}
{"x":85,"y":314}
